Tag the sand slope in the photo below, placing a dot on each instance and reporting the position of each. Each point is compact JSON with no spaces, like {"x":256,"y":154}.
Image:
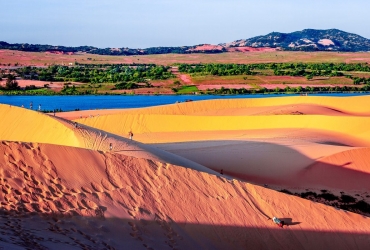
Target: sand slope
{"x":264,"y":141}
{"x":20,"y":124}
{"x":132,"y":203}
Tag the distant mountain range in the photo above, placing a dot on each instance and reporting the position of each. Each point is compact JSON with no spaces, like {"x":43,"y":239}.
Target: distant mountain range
{"x":305,"y":40}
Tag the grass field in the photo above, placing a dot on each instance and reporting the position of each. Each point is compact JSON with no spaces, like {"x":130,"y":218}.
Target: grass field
{"x":187,"y":89}
{"x":41,"y":59}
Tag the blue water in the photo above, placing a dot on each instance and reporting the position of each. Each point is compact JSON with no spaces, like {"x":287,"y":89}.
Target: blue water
{"x":67,"y":103}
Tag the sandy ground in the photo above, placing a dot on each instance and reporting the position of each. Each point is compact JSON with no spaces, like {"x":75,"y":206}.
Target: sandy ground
{"x":64,"y":187}
{"x":274,"y":141}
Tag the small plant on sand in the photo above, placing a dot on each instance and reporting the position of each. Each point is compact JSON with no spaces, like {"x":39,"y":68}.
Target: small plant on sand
{"x":286,"y":191}
{"x":328,"y":196}
{"x":308,"y":194}
{"x":347,"y":199}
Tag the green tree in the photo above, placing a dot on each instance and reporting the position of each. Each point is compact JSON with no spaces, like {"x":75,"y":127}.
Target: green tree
{"x":11,"y":83}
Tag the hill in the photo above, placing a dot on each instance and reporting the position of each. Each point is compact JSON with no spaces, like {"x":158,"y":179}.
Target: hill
{"x":305,"y":40}
{"x":308,"y":40}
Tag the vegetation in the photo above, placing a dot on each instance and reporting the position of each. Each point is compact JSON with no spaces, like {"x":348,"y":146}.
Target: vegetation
{"x":309,"y":70}
{"x":186,"y":90}
{"x":98,"y":73}
{"x":230,"y":91}
{"x":346,"y":202}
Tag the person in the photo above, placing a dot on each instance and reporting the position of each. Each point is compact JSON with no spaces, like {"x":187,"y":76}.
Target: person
{"x":278,"y":222}
{"x":130,"y":135}
{"x":110,"y":146}
{"x":222,"y":171}
{"x":76,"y":125}
{"x":39,"y":107}
{"x":31,"y":105}
{"x":22,"y":106}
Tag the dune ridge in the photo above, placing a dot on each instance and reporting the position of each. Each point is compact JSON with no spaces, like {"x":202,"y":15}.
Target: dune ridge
{"x":20,"y":124}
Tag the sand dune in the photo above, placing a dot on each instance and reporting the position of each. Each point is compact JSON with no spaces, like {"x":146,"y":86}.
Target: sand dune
{"x":279,"y":105}
{"x":20,"y":124}
{"x":345,"y":171}
{"x":63,"y":188}
{"x":143,"y":204}
{"x":262,"y":141}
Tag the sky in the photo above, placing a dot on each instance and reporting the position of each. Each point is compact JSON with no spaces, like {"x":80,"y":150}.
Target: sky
{"x":151,"y":23}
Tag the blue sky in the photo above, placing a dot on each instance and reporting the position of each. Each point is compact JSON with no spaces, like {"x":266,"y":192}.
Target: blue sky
{"x":149,"y":23}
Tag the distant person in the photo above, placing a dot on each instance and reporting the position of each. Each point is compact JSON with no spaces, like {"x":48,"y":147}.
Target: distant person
{"x":22,"y":106}
{"x":130,"y":134}
{"x":278,"y":222}
{"x":222,"y":171}
{"x":39,"y":107}
{"x":76,"y":125}
{"x":31,"y":105}
{"x":54,"y":112}
{"x":110,"y":146}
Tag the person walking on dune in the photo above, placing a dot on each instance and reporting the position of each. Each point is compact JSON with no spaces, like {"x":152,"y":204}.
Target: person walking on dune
{"x":278,"y":222}
{"x":130,"y":134}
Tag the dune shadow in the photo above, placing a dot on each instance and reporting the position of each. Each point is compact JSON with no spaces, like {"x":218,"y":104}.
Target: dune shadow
{"x":55,"y":231}
{"x":289,"y":221}
{"x":334,"y":143}
{"x":268,"y":164}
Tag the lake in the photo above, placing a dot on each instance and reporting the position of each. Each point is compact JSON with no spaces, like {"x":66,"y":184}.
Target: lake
{"x":68,"y":103}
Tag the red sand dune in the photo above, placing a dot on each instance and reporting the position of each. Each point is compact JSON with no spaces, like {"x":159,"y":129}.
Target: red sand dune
{"x":63,"y":188}
{"x":100,"y":200}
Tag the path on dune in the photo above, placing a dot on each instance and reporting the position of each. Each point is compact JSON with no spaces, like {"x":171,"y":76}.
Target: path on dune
{"x":95,"y":139}
{"x":98,"y":200}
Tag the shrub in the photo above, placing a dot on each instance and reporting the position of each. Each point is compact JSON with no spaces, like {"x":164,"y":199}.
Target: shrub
{"x":286,"y":191}
{"x":347,"y":199}
{"x":309,"y":193}
{"x":328,"y":196}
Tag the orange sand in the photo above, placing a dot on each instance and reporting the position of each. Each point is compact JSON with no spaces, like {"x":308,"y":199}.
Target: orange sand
{"x":264,"y":141}
{"x":63,"y":188}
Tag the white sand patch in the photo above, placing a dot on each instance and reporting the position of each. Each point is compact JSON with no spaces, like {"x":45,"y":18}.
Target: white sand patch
{"x":326,"y":42}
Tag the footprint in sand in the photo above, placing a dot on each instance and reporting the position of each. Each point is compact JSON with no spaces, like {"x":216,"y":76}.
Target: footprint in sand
{"x":89,"y":204}
{"x":106,"y":184}
{"x":86,"y":190}
{"x":97,"y":187}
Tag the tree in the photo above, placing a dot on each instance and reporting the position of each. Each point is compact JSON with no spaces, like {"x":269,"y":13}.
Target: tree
{"x":11,"y":83}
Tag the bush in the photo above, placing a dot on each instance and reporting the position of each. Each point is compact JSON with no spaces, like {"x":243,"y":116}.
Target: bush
{"x":347,"y":199}
{"x":286,"y":191}
{"x":309,"y":193}
{"x":328,"y":196}
{"x":126,"y":85}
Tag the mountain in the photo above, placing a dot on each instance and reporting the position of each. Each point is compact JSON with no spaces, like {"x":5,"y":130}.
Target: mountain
{"x":305,"y":40}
